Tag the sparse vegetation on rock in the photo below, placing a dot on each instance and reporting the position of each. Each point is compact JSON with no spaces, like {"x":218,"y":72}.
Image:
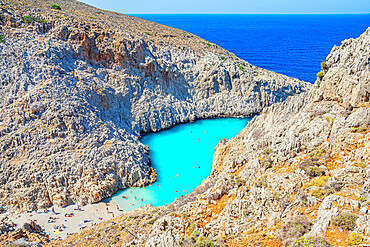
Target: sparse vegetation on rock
{"x":311,"y":242}
{"x":312,"y":167}
{"x":56,"y":6}
{"x":295,"y":228}
{"x":354,"y":238}
{"x":346,"y":221}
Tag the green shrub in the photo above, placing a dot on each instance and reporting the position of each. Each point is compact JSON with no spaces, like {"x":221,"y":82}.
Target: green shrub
{"x":191,"y":227}
{"x":267,"y":163}
{"x":323,"y":66}
{"x":148,"y":34}
{"x":318,"y":182}
{"x":2,"y":37}
{"x":329,"y":119}
{"x":318,"y":193}
{"x":239,"y":181}
{"x":261,"y":182}
{"x":361,"y":199}
{"x":320,"y":74}
{"x":55,"y":6}
{"x":30,"y":19}
{"x":318,"y":153}
{"x":346,"y":221}
{"x":206,"y":43}
{"x":92,"y":17}
{"x":354,"y":239}
{"x":195,"y":239}
{"x":312,"y":167}
{"x":311,"y":242}
{"x":358,"y":130}
{"x":295,"y":228}
{"x":151,"y":222}
{"x":361,"y":164}
{"x":276,"y":195}
{"x":241,"y":67}
{"x":267,"y":151}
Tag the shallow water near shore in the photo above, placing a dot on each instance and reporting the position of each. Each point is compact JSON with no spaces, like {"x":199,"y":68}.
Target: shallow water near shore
{"x":182,"y":157}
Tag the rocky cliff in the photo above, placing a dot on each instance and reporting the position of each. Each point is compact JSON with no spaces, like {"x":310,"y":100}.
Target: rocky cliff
{"x":79,"y":86}
{"x":297,"y":175}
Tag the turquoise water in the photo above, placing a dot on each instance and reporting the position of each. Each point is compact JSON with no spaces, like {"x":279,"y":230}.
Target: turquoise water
{"x":182,"y":157}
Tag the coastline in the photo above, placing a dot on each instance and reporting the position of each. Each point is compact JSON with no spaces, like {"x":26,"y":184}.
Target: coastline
{"x":87,"y":216}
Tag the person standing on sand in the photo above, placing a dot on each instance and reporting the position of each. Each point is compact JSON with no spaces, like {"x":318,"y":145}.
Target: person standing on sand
{"x":52,"y":209}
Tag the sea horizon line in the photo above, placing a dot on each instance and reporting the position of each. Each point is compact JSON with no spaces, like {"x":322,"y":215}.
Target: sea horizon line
{"x":220,"y":13}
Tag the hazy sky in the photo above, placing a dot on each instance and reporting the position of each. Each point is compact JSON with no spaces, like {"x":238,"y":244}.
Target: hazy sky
{"x":233,"y":6}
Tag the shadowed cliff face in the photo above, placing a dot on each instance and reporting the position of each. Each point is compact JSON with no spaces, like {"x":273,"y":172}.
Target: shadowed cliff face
{"x":77,"y":92}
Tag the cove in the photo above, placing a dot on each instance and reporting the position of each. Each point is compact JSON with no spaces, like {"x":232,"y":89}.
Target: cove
{"x":182,"y":157}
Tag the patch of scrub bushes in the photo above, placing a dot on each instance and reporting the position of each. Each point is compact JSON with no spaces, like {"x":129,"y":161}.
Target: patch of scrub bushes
{"x":56,"y":6}
{"x":31,"y":19}
{"x":320,"y":74}
{"x":2,"y":38}
{"x":311,"y":166}
{"x":294,"y":229}
{"x":358,"y":130}
{"x":346,"y":221}
{"x":323,"y":187}
{"x":311,"y":242}
{"x":355,"y":238}
{"x":196,"y":239}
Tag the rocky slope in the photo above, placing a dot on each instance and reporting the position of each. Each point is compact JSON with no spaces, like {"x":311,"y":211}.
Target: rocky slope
{"x":80,"y":85}
{"x":297,"y":175}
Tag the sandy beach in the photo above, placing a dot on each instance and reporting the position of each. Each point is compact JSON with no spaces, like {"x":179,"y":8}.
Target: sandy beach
{"x":68,"y":220}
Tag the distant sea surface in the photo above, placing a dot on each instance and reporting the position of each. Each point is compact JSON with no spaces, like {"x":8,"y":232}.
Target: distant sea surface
{"x":294,"y":45}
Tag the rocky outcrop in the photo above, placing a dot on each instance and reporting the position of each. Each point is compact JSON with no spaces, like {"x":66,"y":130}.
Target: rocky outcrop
{"x":77,"y":93}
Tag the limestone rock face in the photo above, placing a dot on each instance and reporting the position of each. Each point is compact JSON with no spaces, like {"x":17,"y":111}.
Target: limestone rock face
{"x":76,"y":95}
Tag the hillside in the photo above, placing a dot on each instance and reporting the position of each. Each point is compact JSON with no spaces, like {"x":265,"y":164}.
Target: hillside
{"x":297,"y":174}
{"x":79,"y":86}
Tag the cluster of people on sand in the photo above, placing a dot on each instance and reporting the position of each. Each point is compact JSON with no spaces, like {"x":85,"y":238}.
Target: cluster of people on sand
{"x":52,"y":219}
{"x":59,"y":227}
{"x":68,"y":215}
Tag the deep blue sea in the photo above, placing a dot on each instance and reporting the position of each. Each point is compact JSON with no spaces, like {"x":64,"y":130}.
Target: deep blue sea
{"x":294,"y":45}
